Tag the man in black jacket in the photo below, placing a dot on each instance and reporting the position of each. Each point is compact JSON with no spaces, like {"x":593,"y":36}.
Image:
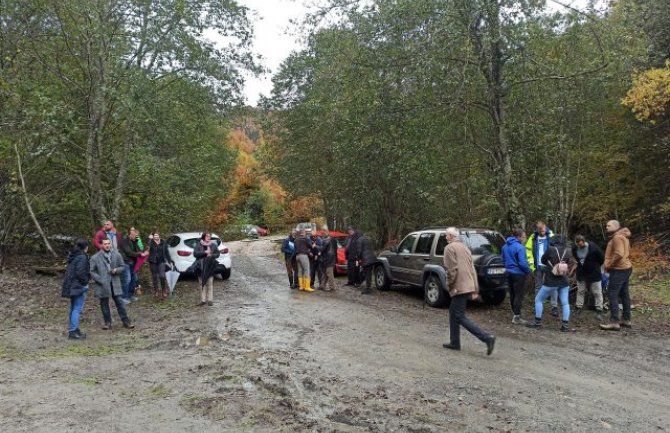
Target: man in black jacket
{"x":75,"y":286}
{"x":130,"y":251}
{"x":351,"y":254}
{"x":590,"y":259}
{"x":367,"y":260}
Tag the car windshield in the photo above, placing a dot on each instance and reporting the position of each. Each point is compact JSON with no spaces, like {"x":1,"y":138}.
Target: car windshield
{"x":192,"y":242}
{"x":482,"y":243}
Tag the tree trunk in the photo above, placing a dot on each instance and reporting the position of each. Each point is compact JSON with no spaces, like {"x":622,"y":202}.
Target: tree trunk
{"x":128,"y":143}
{"x":38,"y":227}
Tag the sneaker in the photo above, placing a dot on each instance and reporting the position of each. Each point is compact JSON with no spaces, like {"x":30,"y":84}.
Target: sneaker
{"x":610,"y":326}
{"x":125,"y":301}
{"x":554,"y":311}
{"x":451,"y":346}
{"x":128,"y":325}
{"x":625,"y":324}
{"x":107,"y":326}
{"x":565,"y":327}
{"x":517,"y":320}
{"x":537,"y":323}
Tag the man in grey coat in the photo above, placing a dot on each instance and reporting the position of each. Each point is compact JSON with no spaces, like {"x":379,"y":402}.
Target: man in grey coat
{"x":106,"y":268}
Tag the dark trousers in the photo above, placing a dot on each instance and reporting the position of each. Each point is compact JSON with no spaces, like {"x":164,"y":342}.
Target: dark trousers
{"x":158,"y":273}
{"x":291,"y":271}
{"x":366,"y":275}
{"x":617,"y":287}
{"x":517,"y":283}
{"x":107,"y":314}
{"x":353,"y":276}
{"x":457,"y":319}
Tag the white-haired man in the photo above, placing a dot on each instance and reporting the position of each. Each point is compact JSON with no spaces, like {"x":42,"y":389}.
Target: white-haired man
{"x":463,"y":285}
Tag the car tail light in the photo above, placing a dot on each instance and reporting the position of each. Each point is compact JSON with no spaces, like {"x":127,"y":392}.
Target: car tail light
{"x":183,"y":253}
{"x":224,"y":250}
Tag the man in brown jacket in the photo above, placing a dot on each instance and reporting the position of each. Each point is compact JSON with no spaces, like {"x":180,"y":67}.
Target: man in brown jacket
{"x":463,"y":285}
{"x":617,"y":263}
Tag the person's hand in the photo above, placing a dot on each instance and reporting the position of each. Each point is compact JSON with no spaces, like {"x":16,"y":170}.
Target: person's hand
{"x":145,"y":253}
{"x":475,"y":296}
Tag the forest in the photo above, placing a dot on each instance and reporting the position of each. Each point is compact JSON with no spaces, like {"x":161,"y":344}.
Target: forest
{"x":394,"y":115}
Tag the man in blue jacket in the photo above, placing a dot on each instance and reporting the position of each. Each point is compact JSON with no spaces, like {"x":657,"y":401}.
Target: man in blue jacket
{"x":288,"y":248}
{"x":516,"y":264}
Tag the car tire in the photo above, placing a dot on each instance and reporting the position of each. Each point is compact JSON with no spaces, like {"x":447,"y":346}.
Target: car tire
{"x":493,"y":298}
{"x":434,"y":293}
{"x":382,"y":281}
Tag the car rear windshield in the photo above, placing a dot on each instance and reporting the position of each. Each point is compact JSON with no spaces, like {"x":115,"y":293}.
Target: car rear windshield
{"x":191,"y":243}
{"x":478,"y":243}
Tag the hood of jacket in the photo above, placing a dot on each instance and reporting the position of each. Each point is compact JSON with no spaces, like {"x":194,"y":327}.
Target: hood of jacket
{"x":73,"y":254}
{"x":557,"y":241}
{"x":511,"y":240}
{"x":623,"y":231}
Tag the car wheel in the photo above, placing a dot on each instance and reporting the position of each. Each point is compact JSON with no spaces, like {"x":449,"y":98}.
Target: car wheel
{"x":434,"y":294}
{"x":381,"y":280}
{"x":493,"y":297}
{"x":225,"y":274}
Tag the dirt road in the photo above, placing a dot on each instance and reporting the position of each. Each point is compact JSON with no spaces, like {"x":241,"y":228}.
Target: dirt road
{"x":265,"y":358}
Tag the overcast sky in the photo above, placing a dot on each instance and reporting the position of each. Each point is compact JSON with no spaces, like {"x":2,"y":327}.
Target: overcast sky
{"x":271,"y":20}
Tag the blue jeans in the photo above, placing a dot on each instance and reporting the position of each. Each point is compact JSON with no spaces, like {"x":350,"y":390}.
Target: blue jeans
{"x":545,"y":292}
{"x":128,"y":281}
{"x":76,"y":306}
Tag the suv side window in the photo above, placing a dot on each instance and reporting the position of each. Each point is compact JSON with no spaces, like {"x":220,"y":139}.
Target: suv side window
{"x":441,"y":244}
{"x":425,"y":242}
{"x":407,"y":243}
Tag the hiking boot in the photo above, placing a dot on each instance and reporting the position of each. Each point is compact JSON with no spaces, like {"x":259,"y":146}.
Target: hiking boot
{"x":128,"y":325}
{"x":610,"y":326}
{"x":489,"y":345}
{"x":554,"y":311}
{"x":565,"y":327}
{"x":451,"y":346}
{"x":517,"y":320}
{"x":74,"y":335}
{"x":107,"y":326}
{"x":626,"y":324}
{"x":537,"y":323}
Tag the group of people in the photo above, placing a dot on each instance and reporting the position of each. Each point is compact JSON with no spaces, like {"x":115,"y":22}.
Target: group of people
{"x":310,"y":257}
{"x":113,"y":271}
{"x":546,"y":257}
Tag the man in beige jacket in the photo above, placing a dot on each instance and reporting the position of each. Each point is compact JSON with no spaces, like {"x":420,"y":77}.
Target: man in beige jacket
{"x":463,"y":285}
{"x":619,"y":266}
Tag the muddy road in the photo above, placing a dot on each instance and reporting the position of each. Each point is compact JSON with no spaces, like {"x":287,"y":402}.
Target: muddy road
{"x":268,"y":359}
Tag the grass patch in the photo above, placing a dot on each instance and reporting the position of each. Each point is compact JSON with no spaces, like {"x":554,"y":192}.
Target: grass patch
{"x":211,"y":407}
{"x":160,"y":391}
{"x":656,"y":292}
{"x":87,"y":380}
{"x":82,"y":350}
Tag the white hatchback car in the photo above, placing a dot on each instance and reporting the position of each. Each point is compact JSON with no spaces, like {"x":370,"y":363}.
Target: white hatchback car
{"x":180,"y":248}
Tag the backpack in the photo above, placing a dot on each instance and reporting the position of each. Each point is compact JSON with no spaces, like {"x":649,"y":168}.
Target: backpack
{"x":560,"y":269}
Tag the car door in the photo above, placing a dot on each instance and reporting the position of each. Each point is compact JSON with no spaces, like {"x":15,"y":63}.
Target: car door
{"x":400,"y":261}
{"x":420,"y":257}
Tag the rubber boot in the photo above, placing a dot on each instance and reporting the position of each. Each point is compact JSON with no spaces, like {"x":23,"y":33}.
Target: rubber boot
{"x":305,"y":283}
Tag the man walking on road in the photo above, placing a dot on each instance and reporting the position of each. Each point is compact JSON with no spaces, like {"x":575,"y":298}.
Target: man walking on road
{"x":536,"y":246}
{"x":618,"y":264}
{"x":516,"y":264}
{"x":463,"y":285}
{"x":590,"y":259}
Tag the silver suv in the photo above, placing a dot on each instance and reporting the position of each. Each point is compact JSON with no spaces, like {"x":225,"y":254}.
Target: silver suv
{"x":418,"y":261}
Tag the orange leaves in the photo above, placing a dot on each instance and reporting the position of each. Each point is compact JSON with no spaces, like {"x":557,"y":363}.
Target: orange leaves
{"x":650,"y":95}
